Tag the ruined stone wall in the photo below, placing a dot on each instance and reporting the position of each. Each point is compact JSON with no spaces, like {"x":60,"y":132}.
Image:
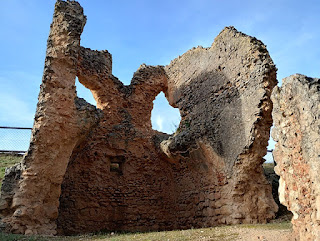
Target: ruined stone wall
{"x":140,"y":193}
{"x":223,"y":94}
{"x":297,"y":133}
{"x":211,"y":173}
{"x":30,"y":206}
{"x":91,"y":169}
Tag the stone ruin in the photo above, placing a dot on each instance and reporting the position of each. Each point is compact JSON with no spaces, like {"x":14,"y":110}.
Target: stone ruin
{"x":296,"y":116}
{"x":105,"y":168}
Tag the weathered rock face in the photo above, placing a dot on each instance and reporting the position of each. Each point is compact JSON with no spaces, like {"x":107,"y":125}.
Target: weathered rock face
{"x":297,"y":132}
{"x":61,"y":121}
{"x":116,"y":178}
{"x":223,"y":94}
{"x":107,"y":169}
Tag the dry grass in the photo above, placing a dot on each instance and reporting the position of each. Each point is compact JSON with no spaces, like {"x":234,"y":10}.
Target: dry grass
{"x":223,"y":233}
{"x":205,"y":234}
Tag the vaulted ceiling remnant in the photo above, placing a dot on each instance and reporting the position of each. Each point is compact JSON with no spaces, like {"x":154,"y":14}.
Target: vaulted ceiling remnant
{"x":91,"y":169}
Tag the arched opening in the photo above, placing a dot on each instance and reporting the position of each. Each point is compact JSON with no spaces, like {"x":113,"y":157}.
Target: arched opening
{"x":164,"y":117}
{"x":84,"y":93}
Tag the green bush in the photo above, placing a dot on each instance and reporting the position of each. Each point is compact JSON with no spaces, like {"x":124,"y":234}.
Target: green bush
{"x":7,"y":160}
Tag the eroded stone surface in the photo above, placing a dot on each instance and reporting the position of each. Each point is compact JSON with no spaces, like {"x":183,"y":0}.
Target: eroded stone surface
{"x":140,"y":194}
{"x":223,"y":94}
{"x":210,"y":172}
{"x":61,"y":121}
{"x":114,"y":171}
{"x":297,"y":133}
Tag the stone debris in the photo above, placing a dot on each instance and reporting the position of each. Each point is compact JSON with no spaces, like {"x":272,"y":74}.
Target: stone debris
{"x":90,"y":169}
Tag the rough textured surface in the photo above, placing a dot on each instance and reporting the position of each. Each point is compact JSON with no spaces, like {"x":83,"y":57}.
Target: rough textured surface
{"x":223,"y":94}
{"x":138,"y":193}
{"x":297,"y":132}
{"x":30,"y":205}
{"x":283,"y":213}
{"x":210,"y":170}
{"x":107,"y":169}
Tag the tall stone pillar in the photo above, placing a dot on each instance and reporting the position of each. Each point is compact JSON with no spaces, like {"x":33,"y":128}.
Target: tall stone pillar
{"x":31,"y":190}
{"x":296,"y":130}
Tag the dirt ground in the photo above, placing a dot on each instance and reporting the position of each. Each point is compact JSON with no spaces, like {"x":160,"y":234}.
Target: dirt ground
{"x":249,"y":234}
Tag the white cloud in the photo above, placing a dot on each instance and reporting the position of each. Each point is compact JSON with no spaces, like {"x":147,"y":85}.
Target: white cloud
{"x":164,"y":117}
{"x":14,"y":111}
{"x":18,"y":97}
{"x":159,"y":122}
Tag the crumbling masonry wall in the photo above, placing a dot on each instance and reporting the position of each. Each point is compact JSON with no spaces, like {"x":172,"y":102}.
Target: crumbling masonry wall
{"x":296,"y":116}
{"x":30,"y":196}
{"x":223,"y":94}
{"x":104,"y":168}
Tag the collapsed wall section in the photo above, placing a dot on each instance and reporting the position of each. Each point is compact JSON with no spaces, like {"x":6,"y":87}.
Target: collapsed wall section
{"x":296,"y":130}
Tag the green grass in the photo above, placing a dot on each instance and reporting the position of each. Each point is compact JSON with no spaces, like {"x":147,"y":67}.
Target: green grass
{"x":7,"y":160}
{"x":16,"y":237}
{"x":268,"y":167}
{"x":214,"y":234}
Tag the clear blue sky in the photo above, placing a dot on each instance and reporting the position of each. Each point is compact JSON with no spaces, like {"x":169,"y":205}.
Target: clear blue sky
{"x":151,"y":32}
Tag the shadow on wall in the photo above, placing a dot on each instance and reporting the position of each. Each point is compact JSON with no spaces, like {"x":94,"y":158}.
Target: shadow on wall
{"x":112,"y":174}
{"x":149,"y":192}
{"x":211,"y":111}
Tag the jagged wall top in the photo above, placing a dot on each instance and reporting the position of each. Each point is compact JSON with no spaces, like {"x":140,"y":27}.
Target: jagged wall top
{"x":223,"y":95}
{"x":221,"y":92}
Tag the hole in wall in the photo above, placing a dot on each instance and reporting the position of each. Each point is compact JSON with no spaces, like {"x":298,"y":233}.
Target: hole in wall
{"x":283,"y":213}
{"x":164,"y":117}
{"x":268,"y":157}
{"x":116,"y":164}
{"x":115,"y":167}
{"x":84,"y":93}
